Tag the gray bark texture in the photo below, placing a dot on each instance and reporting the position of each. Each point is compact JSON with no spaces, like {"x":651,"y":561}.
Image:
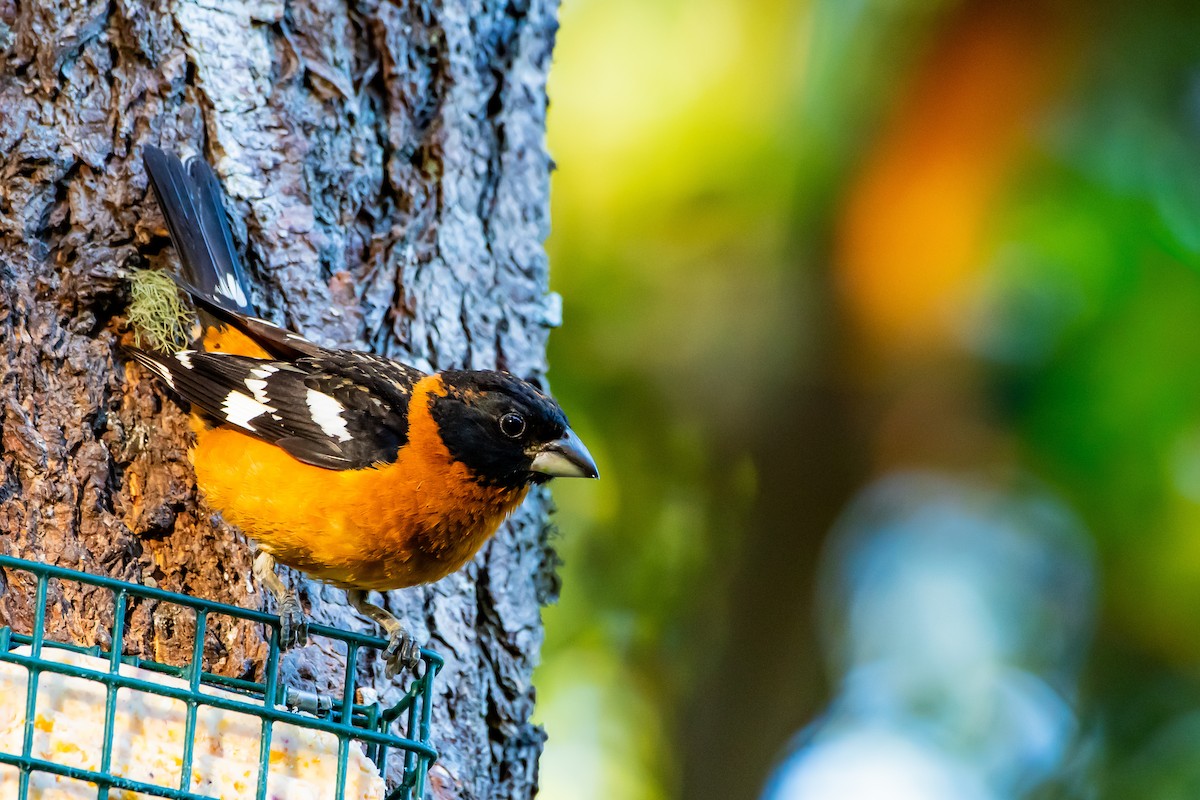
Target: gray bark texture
{"x":385,"y":168}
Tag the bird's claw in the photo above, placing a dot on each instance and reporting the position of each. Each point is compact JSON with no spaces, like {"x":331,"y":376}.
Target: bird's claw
{"x":293,"y":627}
{"x":402,"y":653}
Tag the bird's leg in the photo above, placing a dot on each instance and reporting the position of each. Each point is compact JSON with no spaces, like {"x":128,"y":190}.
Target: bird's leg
{"x":293,"y":628}
{"x":402,"y":651}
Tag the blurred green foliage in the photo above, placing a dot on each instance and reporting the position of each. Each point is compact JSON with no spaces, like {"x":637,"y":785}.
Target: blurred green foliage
{"x":708,"y":151}
{"x":668,"y":250}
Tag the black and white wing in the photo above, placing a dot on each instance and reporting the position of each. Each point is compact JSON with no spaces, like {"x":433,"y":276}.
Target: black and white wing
{"x":337,"y":410}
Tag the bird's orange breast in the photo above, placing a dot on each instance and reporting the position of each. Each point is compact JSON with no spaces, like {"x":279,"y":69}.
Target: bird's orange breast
{"x":409,"y":522}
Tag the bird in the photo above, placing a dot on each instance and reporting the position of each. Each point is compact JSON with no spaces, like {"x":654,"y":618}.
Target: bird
{"x":353,"y":468}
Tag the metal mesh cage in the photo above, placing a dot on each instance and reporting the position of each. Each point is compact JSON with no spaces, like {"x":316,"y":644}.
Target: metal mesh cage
{"x":395,"y":737}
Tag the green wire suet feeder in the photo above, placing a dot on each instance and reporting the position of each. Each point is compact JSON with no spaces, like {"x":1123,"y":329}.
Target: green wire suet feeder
{"x":384,"y":735}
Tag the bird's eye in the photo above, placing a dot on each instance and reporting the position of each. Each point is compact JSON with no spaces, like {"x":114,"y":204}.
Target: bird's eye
{"x":512,"y":425}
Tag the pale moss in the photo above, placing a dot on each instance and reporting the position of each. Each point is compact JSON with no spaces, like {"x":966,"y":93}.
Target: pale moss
{"x":157,"y":315}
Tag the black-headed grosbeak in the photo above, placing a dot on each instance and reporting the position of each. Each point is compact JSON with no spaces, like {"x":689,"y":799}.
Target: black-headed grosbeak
{"x":355,"y":469}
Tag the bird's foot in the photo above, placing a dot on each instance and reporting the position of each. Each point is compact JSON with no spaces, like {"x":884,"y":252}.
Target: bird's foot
{"x":402,"y":652}
{"x":293,"y":626}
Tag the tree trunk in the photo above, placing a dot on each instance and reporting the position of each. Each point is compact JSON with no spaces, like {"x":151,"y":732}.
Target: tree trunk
{"x":386,"y":171}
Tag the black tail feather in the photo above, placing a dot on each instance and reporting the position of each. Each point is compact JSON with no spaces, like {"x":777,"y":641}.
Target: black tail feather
{"x":275,"y":340}
{"x":190,"y":198}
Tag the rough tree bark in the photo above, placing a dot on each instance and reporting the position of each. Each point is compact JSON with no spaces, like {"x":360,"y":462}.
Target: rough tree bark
{"x":385,"y":166}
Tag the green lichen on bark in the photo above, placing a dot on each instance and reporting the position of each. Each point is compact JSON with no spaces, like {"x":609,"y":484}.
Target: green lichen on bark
{"x":157,"y":314}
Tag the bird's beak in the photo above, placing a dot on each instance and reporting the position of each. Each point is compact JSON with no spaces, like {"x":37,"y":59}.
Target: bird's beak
{"x":565,"y":457}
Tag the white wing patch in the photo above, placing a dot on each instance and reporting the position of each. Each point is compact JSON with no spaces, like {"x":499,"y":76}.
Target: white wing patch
{"x":240,"y":408}
{"x":327,"y":413}
{"x":257,"y":383}
{"x":162,"y":372}
{"x":184,"y":357}
{"x":229,"y":288}
{"x":259,"y":389}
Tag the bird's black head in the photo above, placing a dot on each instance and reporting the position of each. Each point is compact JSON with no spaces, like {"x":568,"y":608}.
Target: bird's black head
{"x":506,"y":431}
